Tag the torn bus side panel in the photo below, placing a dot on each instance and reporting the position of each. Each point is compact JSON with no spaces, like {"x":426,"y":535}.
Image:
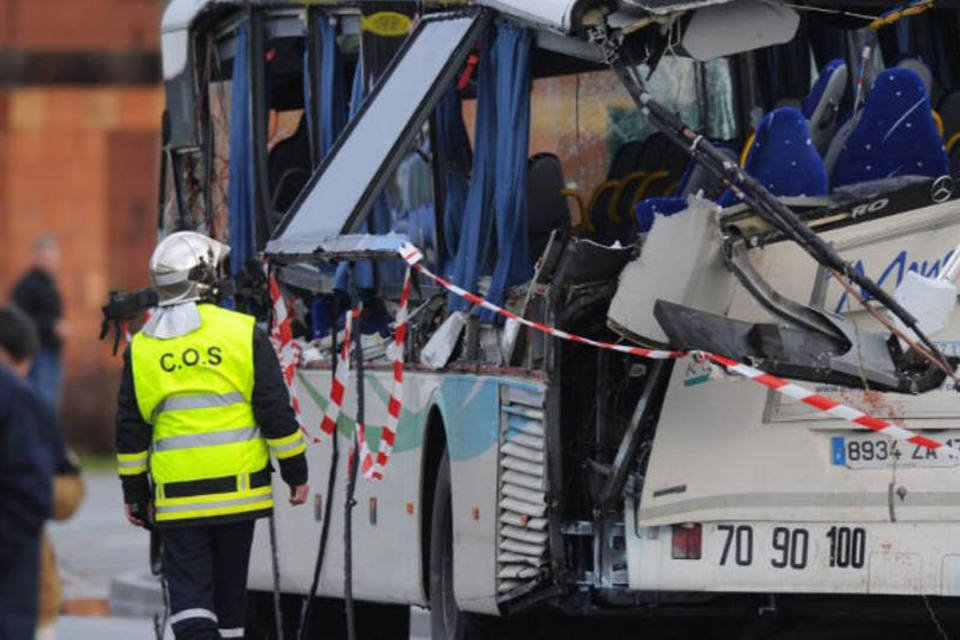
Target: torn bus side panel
{"x":679,"y":293}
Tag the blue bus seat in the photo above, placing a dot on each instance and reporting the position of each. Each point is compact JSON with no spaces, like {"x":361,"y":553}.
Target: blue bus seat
{"x":894,"y":136}
{"x":783,"y":158}
{"x":822,"y":104}
{"x":696,"y":179}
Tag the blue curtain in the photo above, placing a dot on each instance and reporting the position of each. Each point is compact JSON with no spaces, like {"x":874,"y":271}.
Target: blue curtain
{"x":240,"y":186}
{"x":454,"y":147}
{"x":333,"y":105}
{"x":512,"y":54}
{"x":474,"y":256}
{"x":493,"y":237}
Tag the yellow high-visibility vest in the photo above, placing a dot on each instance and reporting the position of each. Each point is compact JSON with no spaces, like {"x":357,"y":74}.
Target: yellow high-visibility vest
{"x":208,"y":458}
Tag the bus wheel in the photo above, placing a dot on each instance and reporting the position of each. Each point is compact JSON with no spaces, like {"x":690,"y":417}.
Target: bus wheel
{"x":447,"y":621}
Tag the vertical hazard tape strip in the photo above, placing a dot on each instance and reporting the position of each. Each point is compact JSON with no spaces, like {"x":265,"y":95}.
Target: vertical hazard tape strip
{"x":338,"y":384}
{"x":288,"y":351}
{"x":373,"y":468}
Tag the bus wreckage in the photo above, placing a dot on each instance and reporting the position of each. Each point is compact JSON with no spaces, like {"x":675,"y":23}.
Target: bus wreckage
{"x":612,"y":211}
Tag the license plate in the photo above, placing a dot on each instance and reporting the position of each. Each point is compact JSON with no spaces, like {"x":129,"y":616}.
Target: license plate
{"x":771,"y":548}
{"x":874,"y":451}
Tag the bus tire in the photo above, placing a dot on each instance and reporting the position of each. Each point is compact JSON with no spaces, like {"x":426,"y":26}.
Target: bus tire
{"x":447,"y":621}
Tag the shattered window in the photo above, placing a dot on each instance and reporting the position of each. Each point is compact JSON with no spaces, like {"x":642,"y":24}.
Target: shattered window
{"x":674,"y":85}
{"x":721,"y":118}
{"x":586,"y":118}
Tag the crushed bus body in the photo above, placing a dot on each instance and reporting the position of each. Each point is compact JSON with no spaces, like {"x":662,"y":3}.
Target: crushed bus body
{"x":680,"y":332}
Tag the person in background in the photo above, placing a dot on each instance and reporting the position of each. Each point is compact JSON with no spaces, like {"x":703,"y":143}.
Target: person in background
{"x":37,"y":294}
{"x":18,"y":343}
{"x":27,"y":463}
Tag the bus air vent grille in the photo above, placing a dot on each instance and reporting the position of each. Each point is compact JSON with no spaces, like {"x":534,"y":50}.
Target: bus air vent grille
{"x":522,"y":535}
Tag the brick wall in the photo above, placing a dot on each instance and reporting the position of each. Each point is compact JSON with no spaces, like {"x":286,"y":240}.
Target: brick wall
{"x":80,"y":25}
{"x":79,"y":160}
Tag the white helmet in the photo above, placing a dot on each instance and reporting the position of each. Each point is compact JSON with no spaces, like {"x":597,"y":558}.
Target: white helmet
{"x":185,"y":265}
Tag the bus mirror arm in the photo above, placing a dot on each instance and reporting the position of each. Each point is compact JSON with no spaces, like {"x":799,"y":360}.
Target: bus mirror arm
{"x":754,"y":194}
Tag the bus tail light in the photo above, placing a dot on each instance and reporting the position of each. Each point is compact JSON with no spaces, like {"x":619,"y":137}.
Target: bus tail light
{"x":687,"y":541}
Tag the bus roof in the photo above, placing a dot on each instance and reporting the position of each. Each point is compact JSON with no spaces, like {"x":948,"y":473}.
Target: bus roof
{"x":556,"y":15}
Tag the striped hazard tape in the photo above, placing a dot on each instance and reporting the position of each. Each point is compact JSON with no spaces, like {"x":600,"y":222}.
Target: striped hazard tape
{"x":371,"y":468}
{"x":338,"y":384}
{"x":414,"y":258}
{"x":288,"y":350}
{"x":828,"y":406}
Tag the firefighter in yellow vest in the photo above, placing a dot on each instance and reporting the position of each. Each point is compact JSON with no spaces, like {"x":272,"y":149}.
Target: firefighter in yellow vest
{"x":202,"y":405}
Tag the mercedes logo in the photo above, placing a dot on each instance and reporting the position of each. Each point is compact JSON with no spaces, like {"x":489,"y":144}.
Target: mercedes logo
{"x":942,"y":189}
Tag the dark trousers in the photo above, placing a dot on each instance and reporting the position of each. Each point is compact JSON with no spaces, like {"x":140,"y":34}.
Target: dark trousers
{"x":46,"y":374}
{"x":20,"y":591}
{"x":206,"y":572}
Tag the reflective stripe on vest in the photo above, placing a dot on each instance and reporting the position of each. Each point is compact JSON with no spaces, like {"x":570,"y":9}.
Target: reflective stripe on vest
{"x":219,"y":504}
{"x":131,"y":464}
{"x":288,"y":446}
{"x":205,"y":401}
{"x":195,"y":390}
{"x":208,"y":439}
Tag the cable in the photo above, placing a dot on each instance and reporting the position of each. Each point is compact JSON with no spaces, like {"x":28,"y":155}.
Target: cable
{"x":331,"y":485}
{"x":275,"y":556}
{"x":350,"y":503}
{"x":160,"y":619}
{"x":936,"y":359}
{"x":835,"y":12}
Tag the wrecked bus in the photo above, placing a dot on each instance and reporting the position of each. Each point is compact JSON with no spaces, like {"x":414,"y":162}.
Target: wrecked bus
{"x":539,"y":154}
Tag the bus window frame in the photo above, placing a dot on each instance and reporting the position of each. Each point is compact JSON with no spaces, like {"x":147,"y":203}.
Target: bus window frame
{"x":361,"y":209}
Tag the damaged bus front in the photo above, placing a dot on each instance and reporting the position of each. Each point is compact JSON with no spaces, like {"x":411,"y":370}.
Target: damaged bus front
{"x":650,"y":200}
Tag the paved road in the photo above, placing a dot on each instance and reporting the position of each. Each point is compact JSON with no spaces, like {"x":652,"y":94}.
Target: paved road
{"x":97,"y":544}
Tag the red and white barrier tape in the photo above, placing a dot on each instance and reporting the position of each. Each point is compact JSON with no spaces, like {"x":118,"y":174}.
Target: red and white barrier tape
{"x":830,"y":407}
{"x":288,"y":351}
{"x":414,"y":258}
{"x":338,"y":384}
{"x":371,"y":468}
